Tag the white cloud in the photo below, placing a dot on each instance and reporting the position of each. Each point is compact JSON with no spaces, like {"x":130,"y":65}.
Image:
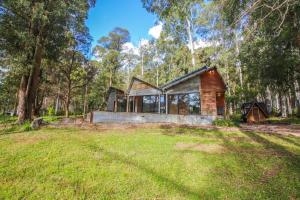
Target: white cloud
{"x":129,"y":47}
{"x":155,"y":31}
{"x":202,"y":44}
{"x":144,"y":42}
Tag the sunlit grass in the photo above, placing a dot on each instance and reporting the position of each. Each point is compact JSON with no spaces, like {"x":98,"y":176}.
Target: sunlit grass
{"x":148,"y":164}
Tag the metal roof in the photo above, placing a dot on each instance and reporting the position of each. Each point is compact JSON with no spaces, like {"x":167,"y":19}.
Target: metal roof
{"x":186,"y":76}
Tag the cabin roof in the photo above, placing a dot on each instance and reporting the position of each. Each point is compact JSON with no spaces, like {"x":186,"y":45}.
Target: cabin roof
{"x":188,"y":76}
{"x":140,"y":80}
{"x":114,"y":88}
{"x":249,"y":105}
{"x":177,"y":80}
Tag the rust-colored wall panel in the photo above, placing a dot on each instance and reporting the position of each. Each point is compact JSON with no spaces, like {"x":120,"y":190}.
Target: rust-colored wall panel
{"x":212,"y":81}
{"x":211,"y":84}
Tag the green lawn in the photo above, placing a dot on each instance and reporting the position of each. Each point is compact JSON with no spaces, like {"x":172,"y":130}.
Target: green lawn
{"x":153,"y":163}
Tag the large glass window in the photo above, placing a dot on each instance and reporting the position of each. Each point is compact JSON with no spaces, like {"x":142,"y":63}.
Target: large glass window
{"x":173,"y":104}
{"x":121,"y":104}
{"x":150,"y":104}
{"x":194,"y":103}
{"x":131,"y":104}
{"x":184,"y":104}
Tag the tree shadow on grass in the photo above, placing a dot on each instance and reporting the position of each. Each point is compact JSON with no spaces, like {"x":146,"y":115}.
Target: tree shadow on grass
{"x":286,"y":139}
{"x":290,"y":157}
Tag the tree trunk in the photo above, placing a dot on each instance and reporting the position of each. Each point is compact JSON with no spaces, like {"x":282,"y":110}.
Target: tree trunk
{"x":238,"y":63}
{"x":15,"y":105}
{"x":68,"y":99}
{"x":35,"y":74}
{"x":85,"y":99}
{"x":38,"y":104}
{"x":229,"y":108}
{"x":142,"y":64}
{"x":56,"y":104}
{"x":268,"y":100}
{"x":277,"y":102}
{"x":191,"y":42}
{"x":110,"y":80}
{"x":297,"y":94}
{"x":283,"y":106}
{"x":289,"y":105}
{"x":157,"y":76}
{"x":22,"y":100}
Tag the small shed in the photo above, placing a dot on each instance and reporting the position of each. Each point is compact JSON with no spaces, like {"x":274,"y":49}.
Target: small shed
{"x":116,"y":100}
{"x":254,"y":112}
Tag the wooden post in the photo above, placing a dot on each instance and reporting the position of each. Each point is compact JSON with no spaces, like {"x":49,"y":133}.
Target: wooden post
{"x":159,"y":103}
{"x":127,"y":103}
{"x":91,"y":117}
{"x":166,"y":102}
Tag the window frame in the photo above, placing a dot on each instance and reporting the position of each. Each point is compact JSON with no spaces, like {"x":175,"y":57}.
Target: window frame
{"x":177,"y":97}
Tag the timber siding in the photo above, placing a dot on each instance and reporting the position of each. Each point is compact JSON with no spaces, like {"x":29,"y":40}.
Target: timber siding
{"x":188,"y":86}
{"x":211,"y":85}
{"x":112,"y":99}
{"x":141,"y":88}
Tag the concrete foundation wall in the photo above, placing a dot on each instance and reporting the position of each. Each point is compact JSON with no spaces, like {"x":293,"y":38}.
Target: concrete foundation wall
{"x":117,"y":117}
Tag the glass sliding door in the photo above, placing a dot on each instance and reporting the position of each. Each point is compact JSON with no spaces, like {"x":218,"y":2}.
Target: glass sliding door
{"x":121,"y":104}
{"x":150,"y":104}
{"x":172,"y":104}
{"x":131,"y":104}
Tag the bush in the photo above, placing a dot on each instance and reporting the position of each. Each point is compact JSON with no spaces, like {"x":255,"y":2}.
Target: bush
{"x":50,"y":111}
{"x":226,"y":122}
{"x":26,"y":126}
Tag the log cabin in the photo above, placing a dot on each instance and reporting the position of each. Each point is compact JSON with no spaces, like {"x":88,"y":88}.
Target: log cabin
{"x":200,"y":92}
{"x":254,"y":112}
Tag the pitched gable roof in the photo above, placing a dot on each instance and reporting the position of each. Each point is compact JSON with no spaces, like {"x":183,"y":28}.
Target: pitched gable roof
{"x":188,"y":76}
{"x":114,"y":88}
{"x":142,"y":81}
{"x":248,"y":106}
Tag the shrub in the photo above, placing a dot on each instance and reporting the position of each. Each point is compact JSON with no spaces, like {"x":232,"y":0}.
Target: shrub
{"x":50,"y":111}
{"x":225,"y":122}
{"x":26,"y":126}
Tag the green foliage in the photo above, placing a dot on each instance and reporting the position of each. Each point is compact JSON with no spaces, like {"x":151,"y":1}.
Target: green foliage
{"x":291,"y":120}
{"x":5,"y":119}
{"x":50,"y":111}
{"x":226,"y":122}
{"x":26,"y":126}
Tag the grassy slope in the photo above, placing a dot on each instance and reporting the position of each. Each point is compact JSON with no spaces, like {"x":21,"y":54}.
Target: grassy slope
{"x":145,"y":163}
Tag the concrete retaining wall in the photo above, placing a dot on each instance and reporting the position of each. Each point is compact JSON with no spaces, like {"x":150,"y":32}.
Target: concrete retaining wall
{"x":119,"y":117}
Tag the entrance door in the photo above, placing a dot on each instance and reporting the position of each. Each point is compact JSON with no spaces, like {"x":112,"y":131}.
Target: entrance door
{"x":220,"y":103}
{"x":256,"y":114}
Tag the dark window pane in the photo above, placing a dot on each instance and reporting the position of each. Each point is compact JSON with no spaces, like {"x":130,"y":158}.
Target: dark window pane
{"x":173,"y":104}
{"x":162,"y":104}
{"x":131,"y":104}
{"x":150,"y":104}
{"x":121,"y":104}
{"x":194,"y":103}
{"x":183,"y":104}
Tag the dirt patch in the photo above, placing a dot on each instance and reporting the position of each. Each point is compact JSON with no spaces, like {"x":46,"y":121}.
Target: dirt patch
{"x":268,"y":174}
{"x":30,"y":140}
{"x":207,"y":148}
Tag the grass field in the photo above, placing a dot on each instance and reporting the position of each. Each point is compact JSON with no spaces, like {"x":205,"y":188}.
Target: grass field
{"x":148,"y":163}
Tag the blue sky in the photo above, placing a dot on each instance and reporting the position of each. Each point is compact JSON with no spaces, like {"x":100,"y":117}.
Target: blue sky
{"x":128,"y":14}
